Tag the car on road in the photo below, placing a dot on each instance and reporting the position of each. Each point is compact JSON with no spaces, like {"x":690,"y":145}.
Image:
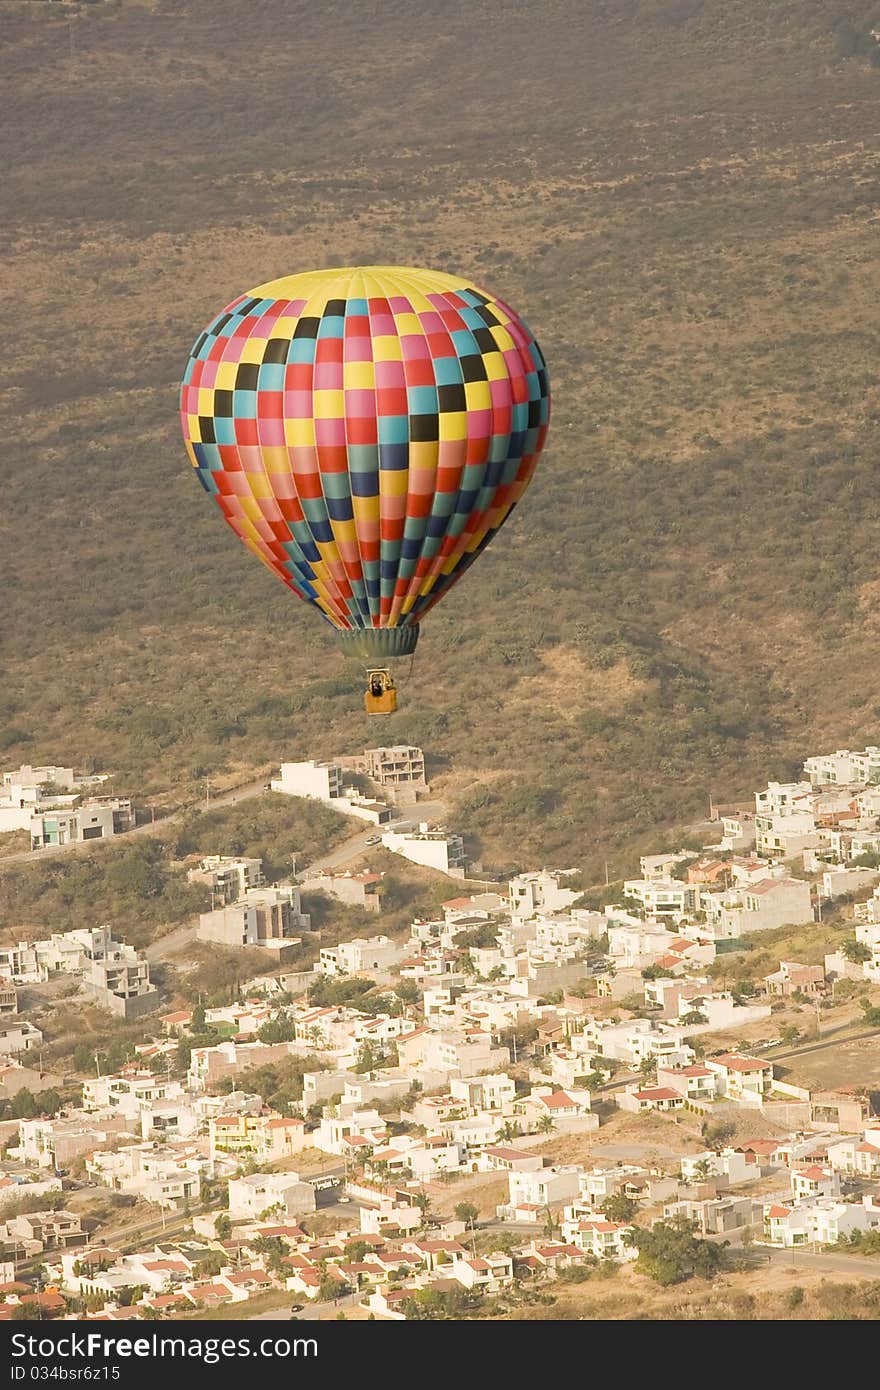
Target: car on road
{"x":374,"y":840}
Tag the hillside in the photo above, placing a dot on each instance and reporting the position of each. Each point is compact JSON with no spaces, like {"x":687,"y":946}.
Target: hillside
{"x":682,"y":199}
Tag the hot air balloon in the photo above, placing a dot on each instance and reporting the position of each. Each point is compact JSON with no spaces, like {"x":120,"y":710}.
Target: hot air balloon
{"x":366,"y":431}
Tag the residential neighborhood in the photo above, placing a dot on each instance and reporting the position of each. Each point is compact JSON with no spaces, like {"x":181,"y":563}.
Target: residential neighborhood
{"x":498,"y":1096}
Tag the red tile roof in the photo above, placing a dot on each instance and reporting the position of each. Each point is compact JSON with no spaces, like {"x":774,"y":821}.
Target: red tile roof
{"x":558,"y":1101}
{"x":734,"y":1062}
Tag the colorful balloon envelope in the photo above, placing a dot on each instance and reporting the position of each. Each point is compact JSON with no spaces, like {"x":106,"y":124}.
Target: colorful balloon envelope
{"x":366,"y":432}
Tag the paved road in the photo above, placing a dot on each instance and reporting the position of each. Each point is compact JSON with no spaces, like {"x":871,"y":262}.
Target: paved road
{"x":432,"y":811}
{"x":171,"y":943}
{"x":819,"y":1046}
{"x":311,"y":1312}
{"x":834,"y":1263}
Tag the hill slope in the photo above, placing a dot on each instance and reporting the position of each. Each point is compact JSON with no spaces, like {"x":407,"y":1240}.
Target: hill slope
{"x":682,"y":199}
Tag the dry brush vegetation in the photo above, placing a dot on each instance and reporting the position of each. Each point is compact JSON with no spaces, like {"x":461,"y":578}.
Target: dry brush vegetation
{"x":681,"y":197}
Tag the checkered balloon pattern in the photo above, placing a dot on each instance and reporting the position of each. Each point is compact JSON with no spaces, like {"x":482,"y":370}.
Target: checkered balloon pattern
{"x":366,"y":432}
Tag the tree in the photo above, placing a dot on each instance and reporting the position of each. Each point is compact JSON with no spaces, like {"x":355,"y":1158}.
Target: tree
{"x":671,"y":1252}
{"x":719,"y":1134}
{"x":275,"y":1251}
{"x":789,"y":1034}
{"x":868,"y":860}
{"x":619,"y":1207}
{"x":702,"y":1169}
{"x":431,"y":1304}
{"x":648,"y":1067}
{"x":871,"y":1013}
{"x":518,"y":1040}
{"x":277,"y":1030}
{"x":546,"y":1125}
{"x":223,"y":1226}
{"x":370,"y":1056}
{"x":856,"y":951}
{"x":466,"y":1212}
{"x":138,"y":872}
{"x":355,"y":1250}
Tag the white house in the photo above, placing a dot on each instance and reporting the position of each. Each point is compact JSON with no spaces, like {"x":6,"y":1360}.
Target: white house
{"x":362,"y":954}
{"x":844,"y":768}
{"x":491,"y":1092}
{"x":258,"y":1193}
{"x":812,"y":1181}
{"x":599,"y":1237}
{"x":780,"y":798}
{"x":434,"y":848}
{"x":344,"y":1123}
{"x":641,"y":1098}
{"x":786,"y":834}
{"x":530,"y":894}
{"x":318,"y":781}
{"x":97,"y":819}
{"x":545,"y":1187}
{"x":858,"y":1154}
{"x":738,"y":832}
{"x":741,"y":1078}
{"x":663,"y":899}
{"x":694,"y":1083}
{"x":632,"y":942}
{"x":170,"y":1176}
{"x":730,"y":1164}
{"x":822,"y":1221}
{"x":355,"y":890}
{"x":17,"y":1036}
{"x":634,"y":1041}
{"x":483,"y":1273}
{"x":28,"y":789}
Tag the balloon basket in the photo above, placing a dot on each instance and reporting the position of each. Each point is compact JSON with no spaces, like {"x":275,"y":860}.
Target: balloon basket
{"x":380,"y":696}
